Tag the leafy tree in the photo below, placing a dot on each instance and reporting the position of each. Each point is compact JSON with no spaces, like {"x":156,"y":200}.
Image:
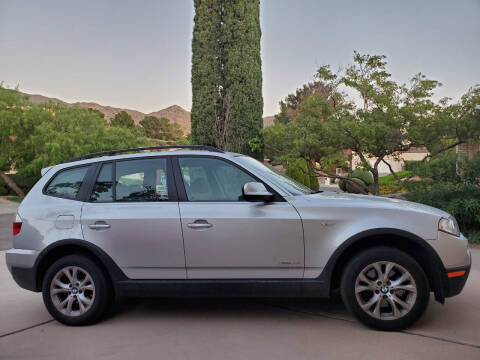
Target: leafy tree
{"x":396,"y":118}
{"x":302,"y":171}
{"x":226,"y":75}
{"x":123,"y":119}
{"x":66,"y":132}
{"x":34,"y":136}
{"x":12,"y":105}
{"x":162,"y":129}
{"x":98,"y":112}
{"x":390,"y":118}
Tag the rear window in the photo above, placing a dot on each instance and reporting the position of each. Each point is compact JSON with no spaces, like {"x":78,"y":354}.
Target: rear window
{"x":66,"y":184}
{"x":141,"y":180}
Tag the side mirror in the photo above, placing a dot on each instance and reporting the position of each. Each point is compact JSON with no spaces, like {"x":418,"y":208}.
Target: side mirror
{"x":255,"y":191}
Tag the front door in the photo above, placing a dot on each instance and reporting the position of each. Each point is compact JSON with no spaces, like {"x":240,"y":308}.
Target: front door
{"x":226,"y":237}
{"x":137,"y":220}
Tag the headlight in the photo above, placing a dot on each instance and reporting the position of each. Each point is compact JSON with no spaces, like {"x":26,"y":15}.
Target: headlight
{"x":449,"y":226}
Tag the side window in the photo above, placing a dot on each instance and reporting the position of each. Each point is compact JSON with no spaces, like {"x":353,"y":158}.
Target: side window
{"x":208,"y":179}
{"x":102,"y":190}
{"x":141,"y":180}
{"x":67,"y":183}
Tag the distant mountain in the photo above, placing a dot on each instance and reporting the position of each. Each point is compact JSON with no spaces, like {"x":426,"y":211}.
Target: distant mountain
{"x":174,"y":113}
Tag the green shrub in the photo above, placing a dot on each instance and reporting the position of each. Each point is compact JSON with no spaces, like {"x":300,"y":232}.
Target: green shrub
{"x":302,"y":171}
{"x":361,"y":177}
{"x":353,"y":189}
{"x":442,"y":167}
{"x":459,"y":199}
{"x":444,"y":188}
{"x":342,"y":184}
{"x":470,"y":169}
{"x":365,"y":176}
{"x":473,"y":236}
{"x":3,"y":191}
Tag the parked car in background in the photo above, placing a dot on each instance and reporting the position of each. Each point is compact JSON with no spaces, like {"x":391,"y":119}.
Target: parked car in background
{"x":197,"y":221}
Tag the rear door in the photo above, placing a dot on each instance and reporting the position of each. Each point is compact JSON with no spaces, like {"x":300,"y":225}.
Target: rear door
{"x":133,"y":215}
{"x":227,"y":237}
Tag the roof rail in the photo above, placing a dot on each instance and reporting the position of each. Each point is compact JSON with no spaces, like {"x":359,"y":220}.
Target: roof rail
{"x":114,"y":152}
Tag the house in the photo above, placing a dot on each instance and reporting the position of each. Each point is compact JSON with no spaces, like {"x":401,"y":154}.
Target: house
{"x":397,"y":162}
{"x":469,"y":148}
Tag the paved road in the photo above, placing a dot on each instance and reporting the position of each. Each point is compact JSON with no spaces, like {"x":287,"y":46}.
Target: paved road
{"x":235,"y":329}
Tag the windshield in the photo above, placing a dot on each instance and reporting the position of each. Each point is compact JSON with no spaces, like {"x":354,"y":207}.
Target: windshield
{"x":276,"y":177}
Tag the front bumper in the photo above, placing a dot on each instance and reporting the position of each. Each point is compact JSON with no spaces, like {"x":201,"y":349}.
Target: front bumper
{"x":455,"y":278}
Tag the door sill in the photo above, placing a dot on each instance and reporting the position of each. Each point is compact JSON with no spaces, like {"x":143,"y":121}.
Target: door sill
{"x":224,"y":288}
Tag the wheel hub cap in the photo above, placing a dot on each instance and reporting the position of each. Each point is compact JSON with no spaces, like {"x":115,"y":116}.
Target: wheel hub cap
{"x":72,"y":291}
{"x":385,"y":290}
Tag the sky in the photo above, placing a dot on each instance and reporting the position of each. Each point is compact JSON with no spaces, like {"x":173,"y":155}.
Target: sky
{"x":137,"y":54}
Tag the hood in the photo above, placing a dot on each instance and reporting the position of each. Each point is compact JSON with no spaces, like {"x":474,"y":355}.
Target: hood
{"x":371,"y":201}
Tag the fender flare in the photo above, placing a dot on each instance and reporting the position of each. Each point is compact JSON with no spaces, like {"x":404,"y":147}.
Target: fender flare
{"x":432,"y":265}
{"x":44,"y":259}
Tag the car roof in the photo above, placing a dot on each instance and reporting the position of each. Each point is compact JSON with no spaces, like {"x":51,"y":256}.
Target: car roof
{"x":173,"y":152}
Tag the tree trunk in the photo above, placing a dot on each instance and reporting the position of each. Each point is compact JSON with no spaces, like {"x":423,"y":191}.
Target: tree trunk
{"x":11,"y":184}
{"x":376,"y":190}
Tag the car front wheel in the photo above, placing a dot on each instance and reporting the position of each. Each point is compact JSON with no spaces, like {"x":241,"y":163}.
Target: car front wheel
{"x":385,"y":288}
{"x":76,"y":291}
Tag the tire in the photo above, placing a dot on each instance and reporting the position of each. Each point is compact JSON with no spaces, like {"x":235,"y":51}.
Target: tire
{"x":390,"y":285}
{"x":82,"y":297}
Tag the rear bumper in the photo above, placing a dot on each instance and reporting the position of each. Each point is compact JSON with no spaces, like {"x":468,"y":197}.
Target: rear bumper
{"x":455,"y":278}
{"x":25,"y":278}
{"x":21,"y":264}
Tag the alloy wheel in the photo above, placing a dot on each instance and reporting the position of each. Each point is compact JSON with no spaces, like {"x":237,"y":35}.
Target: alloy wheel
{"x":385,"y":290}
{"x":72,"y":291}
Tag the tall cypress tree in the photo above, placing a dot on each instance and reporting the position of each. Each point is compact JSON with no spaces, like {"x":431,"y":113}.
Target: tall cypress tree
{"x":242,"y":71}
{"x":227,"y":74}
{"x":206,"y":71}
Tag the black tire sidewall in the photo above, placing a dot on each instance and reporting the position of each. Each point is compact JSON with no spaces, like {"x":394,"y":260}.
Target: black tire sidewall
{"x":103,"y":293}
{"x":359,"y":262}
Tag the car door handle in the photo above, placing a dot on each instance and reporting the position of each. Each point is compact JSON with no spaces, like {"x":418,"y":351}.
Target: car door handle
{"x":99,"y":226}
{"x":200,"y":224}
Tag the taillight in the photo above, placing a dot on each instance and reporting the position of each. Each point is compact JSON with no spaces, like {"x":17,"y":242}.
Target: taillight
{"x":17,"y":226}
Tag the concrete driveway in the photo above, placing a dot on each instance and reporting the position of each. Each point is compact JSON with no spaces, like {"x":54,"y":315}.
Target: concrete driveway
{"x":235,"y":329}
{"x":8,"y":210}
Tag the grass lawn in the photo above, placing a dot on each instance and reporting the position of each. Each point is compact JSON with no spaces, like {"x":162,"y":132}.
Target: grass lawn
{"x":389,"y":179}
{"x":388,"y":183}
{"x":15,"y":199}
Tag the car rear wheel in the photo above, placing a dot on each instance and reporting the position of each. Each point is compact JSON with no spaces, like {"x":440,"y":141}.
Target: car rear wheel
{"x":76,"y":291}
{"x":385,"y":288}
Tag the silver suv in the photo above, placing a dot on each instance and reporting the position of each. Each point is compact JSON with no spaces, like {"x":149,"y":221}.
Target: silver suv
{"x":196,"y":221}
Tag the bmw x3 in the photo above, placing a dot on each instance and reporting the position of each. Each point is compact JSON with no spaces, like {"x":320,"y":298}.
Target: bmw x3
{"x":199,"y":222}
